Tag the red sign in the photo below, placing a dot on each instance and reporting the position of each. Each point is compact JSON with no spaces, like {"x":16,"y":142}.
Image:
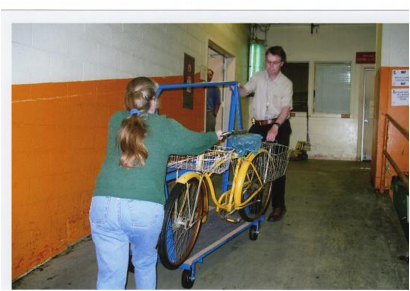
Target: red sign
{"x":366,"y":58}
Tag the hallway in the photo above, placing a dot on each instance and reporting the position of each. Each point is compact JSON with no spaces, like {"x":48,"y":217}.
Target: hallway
{"x":337,"y":234}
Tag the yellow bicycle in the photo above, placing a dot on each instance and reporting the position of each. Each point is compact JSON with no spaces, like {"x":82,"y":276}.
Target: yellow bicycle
{"x":248,"y":191}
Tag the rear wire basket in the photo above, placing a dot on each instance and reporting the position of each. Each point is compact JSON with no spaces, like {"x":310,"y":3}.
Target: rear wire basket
{"x":215,"y":160}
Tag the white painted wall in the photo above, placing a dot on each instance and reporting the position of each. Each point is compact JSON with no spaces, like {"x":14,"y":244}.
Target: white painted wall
{"x":331,"y":136}
{"x":80,"y":52}
{"x":395,"y":45}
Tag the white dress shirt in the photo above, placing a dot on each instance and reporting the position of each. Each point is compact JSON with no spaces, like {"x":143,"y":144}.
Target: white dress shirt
{"x":270,"y":96}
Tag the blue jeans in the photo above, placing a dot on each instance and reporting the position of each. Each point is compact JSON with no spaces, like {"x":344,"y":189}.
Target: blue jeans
{"x":117,"y":222}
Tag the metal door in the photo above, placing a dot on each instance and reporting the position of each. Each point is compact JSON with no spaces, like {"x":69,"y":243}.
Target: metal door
{"x":368,"y":112}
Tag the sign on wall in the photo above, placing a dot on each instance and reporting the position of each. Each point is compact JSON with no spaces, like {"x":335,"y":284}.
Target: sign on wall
{"x":189,"y":72}
{"x":365,"y":58}
{"x":400,"y":97}
{"x":400,"y":78}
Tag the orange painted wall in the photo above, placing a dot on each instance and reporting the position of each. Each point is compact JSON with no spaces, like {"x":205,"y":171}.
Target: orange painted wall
{"x":171,"y":104}
{"x":59,"y":135}
{"x":398,"y":146}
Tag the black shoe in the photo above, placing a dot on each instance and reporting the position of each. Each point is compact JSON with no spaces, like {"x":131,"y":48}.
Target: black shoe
{"x":277,"y":214}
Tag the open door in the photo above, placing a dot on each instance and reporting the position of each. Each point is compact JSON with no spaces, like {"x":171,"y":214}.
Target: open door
{"x":223,"y":65}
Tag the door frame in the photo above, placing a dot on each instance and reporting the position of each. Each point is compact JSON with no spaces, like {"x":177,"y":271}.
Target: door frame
{"x":229,"y":63}
{"x":365,"y":69}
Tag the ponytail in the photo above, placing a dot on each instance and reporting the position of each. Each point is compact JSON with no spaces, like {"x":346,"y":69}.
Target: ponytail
{"x":131,"y":141}
{"x":130,"y":137}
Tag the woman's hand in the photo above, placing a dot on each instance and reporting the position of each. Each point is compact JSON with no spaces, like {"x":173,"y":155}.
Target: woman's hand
{"x":219,"y":134}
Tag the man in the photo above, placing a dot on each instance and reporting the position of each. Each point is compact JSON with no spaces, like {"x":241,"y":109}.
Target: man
{"x":271,"y":107}
{"x":213,"y":102}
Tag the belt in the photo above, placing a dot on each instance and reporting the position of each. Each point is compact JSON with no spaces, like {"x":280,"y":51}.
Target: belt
{"x":263,"y":122}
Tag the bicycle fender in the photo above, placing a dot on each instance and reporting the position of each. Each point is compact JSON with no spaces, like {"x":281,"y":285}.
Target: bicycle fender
{"x":242,"y":174}
{"x":188,"y":176}
{"x":240,"y":180}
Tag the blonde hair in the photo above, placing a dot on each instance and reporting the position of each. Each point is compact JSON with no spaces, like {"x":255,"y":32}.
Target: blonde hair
{"x":130,"y":137}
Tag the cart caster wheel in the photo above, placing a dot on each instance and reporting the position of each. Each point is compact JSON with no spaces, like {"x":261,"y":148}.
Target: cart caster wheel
{"x":253,"y":232}
{"x":186,"y":281}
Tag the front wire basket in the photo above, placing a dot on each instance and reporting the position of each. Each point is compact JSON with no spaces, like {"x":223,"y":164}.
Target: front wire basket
{"x":215,"y":160}
{"x":275,"y":166}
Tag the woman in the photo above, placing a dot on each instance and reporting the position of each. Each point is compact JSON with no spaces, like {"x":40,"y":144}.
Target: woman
{"x":128,"y":201}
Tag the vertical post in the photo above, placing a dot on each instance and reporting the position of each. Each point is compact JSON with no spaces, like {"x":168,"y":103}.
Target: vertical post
{"x":235,"y":93}
{"x":383,"y":160}
{"x":234,"y":109}
{"x":231,"y":123}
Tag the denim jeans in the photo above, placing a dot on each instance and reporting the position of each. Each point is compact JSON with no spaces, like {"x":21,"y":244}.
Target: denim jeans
{"x":117,"y":222}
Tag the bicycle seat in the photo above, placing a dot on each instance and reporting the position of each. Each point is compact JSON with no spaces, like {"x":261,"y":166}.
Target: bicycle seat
{"x":244,"y":143}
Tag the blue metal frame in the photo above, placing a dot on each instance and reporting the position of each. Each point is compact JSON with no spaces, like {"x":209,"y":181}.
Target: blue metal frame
{"x":234,"y":111}
{"x":235,"y":102}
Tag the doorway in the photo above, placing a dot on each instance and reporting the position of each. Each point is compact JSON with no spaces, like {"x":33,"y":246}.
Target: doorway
{"x":223,"y":65}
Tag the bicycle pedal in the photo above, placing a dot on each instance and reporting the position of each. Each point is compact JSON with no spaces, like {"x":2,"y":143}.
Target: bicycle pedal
{"x":233,"y":219}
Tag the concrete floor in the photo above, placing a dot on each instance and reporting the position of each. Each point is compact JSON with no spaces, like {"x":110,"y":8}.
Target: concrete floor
{"x":337,"y":234}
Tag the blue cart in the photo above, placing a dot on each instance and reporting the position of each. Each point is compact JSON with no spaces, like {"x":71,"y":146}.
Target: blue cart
{"x":215,"y":232}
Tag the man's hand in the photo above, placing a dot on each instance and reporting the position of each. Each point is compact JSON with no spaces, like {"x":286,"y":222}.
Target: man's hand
{"x":272,"y":133}
{"x":242,"y":91}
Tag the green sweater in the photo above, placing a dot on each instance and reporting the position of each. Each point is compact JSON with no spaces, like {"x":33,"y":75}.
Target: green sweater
{"x":164,"y":137}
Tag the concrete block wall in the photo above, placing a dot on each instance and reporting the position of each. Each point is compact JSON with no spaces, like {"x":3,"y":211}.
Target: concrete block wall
{"x":59,"y":135}
{"x":68,"y":79}
{"x":81,"y":52}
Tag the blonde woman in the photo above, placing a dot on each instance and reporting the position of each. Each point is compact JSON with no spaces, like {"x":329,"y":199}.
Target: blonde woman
{"x":128,"y":201}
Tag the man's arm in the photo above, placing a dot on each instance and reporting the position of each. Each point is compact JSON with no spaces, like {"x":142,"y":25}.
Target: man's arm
{"x":274,"y":130}
{"x":286,"y":102}
{"x":284,"y":113}
{"x":248,"y":88}
{"x":242,"y":91}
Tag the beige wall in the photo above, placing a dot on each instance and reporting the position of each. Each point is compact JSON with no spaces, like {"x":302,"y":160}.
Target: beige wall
{"x":395,"y":43}
{"x":332,"y":137}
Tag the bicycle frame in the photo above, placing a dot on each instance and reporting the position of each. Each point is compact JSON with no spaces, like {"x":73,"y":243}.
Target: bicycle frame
{"x":230,"y":200}
{"x":234,"y":111}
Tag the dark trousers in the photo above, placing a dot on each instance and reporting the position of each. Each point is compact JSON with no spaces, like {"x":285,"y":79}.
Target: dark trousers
{"x":283,"y":137}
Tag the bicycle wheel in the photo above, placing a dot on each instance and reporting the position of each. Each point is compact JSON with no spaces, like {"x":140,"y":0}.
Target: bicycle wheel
{"x":254,"y":183}
{"x":182,"y":223}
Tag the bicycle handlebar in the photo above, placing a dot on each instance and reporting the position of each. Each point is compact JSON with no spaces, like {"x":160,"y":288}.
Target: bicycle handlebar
{"x":229,"y":133}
